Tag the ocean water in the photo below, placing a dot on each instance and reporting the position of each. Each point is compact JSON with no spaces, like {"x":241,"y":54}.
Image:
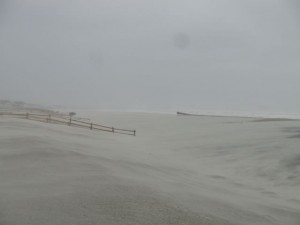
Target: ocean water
{"x":284,"y":115}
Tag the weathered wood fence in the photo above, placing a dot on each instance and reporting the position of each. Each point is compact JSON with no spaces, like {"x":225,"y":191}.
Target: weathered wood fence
{"x":69,"y":121}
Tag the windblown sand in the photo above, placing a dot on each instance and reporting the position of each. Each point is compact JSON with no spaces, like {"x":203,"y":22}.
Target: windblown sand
{"x":176,"y":171}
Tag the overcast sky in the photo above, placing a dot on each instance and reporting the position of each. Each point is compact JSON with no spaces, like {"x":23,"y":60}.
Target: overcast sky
{"x":152,"y":54}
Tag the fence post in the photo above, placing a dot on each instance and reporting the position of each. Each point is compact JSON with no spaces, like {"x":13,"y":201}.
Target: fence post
{"x":70,"y":122}
{"x":113,"y":129}
{"x":134,"y":133}
{"x":49,"y":118}
{"x":91,"y":126}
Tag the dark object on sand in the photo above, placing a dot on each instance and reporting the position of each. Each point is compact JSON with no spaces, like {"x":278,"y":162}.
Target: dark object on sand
{"x":72,"y":114}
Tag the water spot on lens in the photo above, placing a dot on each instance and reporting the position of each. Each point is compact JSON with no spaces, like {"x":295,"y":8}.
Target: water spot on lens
{"x":181,"y":40}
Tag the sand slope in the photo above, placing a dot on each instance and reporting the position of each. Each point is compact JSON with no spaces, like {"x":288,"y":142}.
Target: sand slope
{"x":177,"y":170}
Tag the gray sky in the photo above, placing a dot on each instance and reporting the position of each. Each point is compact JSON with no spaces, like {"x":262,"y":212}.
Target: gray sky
{"x":152,"y":54}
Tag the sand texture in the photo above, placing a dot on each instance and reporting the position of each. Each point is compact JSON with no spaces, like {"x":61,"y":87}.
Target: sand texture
{"x":176,"y":171}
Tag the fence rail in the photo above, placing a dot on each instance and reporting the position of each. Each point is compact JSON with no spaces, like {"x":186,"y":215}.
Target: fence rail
{"x":69,"y":121}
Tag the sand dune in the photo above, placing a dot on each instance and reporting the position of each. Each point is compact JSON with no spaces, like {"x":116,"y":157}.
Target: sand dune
{"x":177,"y":170}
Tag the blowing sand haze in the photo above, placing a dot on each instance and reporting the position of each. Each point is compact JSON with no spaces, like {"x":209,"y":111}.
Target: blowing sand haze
{"x":178,"y":170}
{"x":236,"y":58}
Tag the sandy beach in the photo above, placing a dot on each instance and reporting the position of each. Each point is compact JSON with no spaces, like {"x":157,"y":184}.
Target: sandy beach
{"x":178,"y":170}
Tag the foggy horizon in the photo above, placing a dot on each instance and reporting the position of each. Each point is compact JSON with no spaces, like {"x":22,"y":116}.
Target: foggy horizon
{"x":152,"y":55}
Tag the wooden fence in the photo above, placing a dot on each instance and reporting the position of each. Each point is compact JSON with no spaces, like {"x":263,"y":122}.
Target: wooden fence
{"x":69,"y":121}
